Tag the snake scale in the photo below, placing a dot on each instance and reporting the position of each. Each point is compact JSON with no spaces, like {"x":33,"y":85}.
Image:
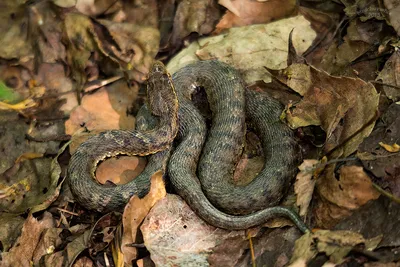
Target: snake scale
{"x":212,"y":154}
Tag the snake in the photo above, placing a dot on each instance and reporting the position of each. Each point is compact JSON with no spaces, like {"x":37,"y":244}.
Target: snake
{"x":199,"y":161}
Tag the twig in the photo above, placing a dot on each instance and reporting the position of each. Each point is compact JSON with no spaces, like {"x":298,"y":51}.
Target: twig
{"x":385,"y":193}
{"x":253,"y":258}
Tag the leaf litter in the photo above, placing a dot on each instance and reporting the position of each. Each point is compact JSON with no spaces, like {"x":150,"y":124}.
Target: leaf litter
{"x":75,"y":68}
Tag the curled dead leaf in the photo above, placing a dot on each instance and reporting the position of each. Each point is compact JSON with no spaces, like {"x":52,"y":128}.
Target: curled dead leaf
{"x":339,"y":197}
{"x":347,"y":116}
{"x":135,"y":212}
{"x":390,"y":148}
{"x":304,"y":185}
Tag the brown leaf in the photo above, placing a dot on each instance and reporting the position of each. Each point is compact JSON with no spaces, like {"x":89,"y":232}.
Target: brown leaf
{"x":339,"y":197}
{"x":134,"y":47}
{"x":335,"y":244}
{"x":338,"y":57}
{"x":390,"y":74}
{"x":347,"y":116}
{"x":13,"y":43}
{"x":93,"y":9}
{"x":10,"y":229}
{"x":379,"y":217}
{"x":393,"y":7}
{"x":54,"y":78}
{"x":22,"y":253}
{"x":104,"y":110}
{"x":120,"y":170}
{"x":194,"y":16}
{"x":174,"y":234}
{"x":138,"y":12}
{"x":135,"y":212}
{"x":304,"y":249}
{"x":383,"y":164}
{"x":304,"y":185}
{"x":248,"y":12}
{"x":251,"y":48}
{"x":49,"y":241}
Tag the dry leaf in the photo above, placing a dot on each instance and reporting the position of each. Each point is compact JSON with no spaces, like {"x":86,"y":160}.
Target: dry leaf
{"x":335,"y":244}
{"x":248,"y":12}
{"x":104,"y":110}
{"x":338,"y":58}
{"x":174,"y":234}
{"x":21,"y":254}
{"x":339,"y":197}
{"x":134,"y":47}
{"x":381,"y":163}
{"x":304,"y":185}
{"x":94,"y":8}
{"x":251,"y":48}
{"x":390,"y":148}
{"x":13,"y":43}
{"x":327,"y":101}
{"x":194,"y":16}
{"x":135,"y":212}
{"x":393,"y":7}
{"x":390,"y":74}
{"x":120,"y":170}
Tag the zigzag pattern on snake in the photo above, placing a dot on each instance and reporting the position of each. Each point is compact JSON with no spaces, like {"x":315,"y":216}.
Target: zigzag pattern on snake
{"x":211,"y":195}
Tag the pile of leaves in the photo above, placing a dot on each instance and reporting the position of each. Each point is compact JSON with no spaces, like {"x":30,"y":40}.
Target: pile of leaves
{"x":73,"y":68}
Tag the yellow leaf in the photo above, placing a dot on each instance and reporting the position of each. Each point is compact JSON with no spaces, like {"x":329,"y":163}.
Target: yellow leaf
{"x":391,"y":148}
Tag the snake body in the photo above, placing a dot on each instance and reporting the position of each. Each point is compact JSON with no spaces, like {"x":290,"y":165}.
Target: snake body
{"x":212,"y":194}
{"x":163,"y":102}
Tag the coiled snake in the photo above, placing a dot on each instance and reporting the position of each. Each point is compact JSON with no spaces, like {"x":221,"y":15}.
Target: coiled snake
{"x":212,"y":195}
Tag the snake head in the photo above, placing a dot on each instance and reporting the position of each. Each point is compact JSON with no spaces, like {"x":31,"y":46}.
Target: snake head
{"x":158,"y":67}
{"x":160,"y":90}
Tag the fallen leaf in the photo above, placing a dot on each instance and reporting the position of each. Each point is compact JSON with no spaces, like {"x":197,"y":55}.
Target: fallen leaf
{"x":135,"y":212}
{"x":390,"y":148}
{"x":339,"y":57}
{"x":28,"y":241}
{"x":92,"y":8}
{"x":251,"y":48}
{"x":69,"y":254}
{"x":248,"y":12}
{"x":347,"y":116}
{"x":364,"y":10}
{"x":103,"y":232}
{"x":143,"y":13}
{"x":381,"y":163}
{"x":339,"y":197}
{"x":271,"y":248}
{"x":34,"y":184}
{"x":10,"y":229}
{"x":174,"y":234}
{"x":120,"y":170}
{"x":116,"y":100}
{"x":54,"y":78}
{"x":13,"y":43}
{"x":7,"y":95}
{"x":134,"y":48}
{"x":393,"y":8}
{"x":335,"y":244}
{"x":304,"y":185}
{"x":193,"y":16}
{"x":304,"y":249}
{"x":390,"y":75}
{"x":380,"y":217}
{"x":49,"y":241}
